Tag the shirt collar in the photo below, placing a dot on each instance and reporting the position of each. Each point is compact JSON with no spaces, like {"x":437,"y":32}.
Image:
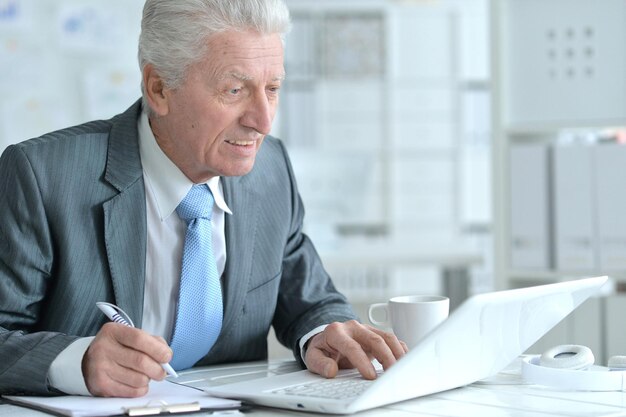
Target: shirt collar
{"x":167,"y":181}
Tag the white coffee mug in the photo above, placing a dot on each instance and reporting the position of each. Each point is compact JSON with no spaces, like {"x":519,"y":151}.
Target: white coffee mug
{"x":411,"y":317}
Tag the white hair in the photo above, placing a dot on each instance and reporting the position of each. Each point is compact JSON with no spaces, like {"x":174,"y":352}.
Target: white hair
{"x":174,"y":32}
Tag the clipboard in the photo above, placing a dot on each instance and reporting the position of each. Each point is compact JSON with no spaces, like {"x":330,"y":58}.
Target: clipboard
{"x":163,"y":398}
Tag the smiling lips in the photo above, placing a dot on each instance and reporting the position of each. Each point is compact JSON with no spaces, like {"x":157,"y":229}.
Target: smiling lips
{"x":241,"y":142}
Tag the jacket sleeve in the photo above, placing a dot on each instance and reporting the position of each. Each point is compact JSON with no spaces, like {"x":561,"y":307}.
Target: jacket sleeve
{"x":26,"y":262}
{"x":307,"y":296}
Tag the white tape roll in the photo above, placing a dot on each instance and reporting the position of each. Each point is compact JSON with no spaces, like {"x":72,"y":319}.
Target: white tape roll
{"x":595,"y":378}
{"x":567,"y":357}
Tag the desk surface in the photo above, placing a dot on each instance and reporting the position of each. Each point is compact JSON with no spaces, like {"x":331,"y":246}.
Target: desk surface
{"x":503,"y":395}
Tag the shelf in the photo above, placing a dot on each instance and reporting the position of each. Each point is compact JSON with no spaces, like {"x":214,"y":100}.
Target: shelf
{"x":396,"y":253}
{"x":529,"y":130}
{"x":553,"y":276}
{"x":475,"y":84}
{"x":535,"y":104}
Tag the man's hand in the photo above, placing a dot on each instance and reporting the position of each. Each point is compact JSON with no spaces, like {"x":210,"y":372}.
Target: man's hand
{"x":352,"y":345}
{"x":121,"y":361}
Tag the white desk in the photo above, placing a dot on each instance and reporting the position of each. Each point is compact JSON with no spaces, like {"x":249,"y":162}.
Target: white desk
{"x":502,"y":396}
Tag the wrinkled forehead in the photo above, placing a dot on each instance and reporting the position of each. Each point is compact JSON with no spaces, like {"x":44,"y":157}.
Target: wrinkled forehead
{"x":244,"y":56}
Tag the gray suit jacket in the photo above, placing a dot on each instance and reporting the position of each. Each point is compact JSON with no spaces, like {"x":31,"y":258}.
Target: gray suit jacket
{"x":73,"y":232}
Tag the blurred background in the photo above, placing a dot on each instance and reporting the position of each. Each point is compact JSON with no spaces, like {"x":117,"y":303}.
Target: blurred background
{"x":441,"y":146}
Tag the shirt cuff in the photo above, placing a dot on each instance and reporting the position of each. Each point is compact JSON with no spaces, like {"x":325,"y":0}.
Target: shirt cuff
{"x":304,"y":339}
{"x":66,"y":372}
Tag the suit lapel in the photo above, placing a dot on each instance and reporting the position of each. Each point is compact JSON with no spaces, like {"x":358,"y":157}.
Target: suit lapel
{"x":240,"y":230}
{"x":125,"y":215}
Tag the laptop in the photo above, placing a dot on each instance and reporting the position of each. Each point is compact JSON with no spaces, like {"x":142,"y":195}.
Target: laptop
{"x":479,"y":339}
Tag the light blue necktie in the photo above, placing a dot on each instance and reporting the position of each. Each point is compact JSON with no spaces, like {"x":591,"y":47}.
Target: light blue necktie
{"x":199,"y":311}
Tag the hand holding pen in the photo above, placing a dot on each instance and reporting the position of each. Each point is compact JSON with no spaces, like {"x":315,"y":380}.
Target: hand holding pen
{"x":122,"y":360}
{"x":116,"y":314}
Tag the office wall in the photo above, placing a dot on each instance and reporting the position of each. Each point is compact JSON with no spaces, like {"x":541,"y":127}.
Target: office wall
{"x":386,"y":141}
{"x":65,"y":62}
{"x":396,"y":96}
{"x":386,"y":114}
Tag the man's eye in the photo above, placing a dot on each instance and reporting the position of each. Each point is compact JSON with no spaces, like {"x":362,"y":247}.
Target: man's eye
{"x":234,"y":91}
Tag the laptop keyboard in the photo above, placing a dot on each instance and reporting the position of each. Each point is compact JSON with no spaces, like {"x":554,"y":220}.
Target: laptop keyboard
{"x":332,"y":388}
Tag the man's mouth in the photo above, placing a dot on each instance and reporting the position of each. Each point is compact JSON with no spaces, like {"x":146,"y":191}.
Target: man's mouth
{"x":240,"y":142}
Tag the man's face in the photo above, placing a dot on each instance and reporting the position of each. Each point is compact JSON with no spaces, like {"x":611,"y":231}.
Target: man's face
{"x":216,"y":120}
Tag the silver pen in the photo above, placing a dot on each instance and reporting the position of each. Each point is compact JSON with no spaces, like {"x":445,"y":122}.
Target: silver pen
{"x":117,"y":315}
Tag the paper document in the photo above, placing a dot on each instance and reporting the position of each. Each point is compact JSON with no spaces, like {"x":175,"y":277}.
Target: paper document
{"x":160,"y":393}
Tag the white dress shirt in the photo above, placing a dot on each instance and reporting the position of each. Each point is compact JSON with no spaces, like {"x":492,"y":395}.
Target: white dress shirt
{"x":166,"y":187}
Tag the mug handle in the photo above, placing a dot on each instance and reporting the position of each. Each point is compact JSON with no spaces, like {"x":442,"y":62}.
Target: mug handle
{"x":378,"y":306}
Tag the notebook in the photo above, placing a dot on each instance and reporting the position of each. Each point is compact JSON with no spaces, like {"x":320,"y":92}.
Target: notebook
{"x":479,"y":339}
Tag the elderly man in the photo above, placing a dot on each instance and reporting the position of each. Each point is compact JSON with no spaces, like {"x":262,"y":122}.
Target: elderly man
{"x":182,"y":211}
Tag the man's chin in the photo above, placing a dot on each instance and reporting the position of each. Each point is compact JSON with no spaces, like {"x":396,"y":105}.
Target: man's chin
{"x":238,"y":170}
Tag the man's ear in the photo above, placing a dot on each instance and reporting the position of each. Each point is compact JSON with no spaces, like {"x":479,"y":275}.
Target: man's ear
{"x":155,"y":91}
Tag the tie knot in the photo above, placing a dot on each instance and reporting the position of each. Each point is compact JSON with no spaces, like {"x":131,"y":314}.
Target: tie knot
{"x":198,"y":203}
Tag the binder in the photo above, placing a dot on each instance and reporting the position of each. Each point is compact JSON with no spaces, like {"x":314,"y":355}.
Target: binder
{"x":615,"y":311}
{"x":574,"y":208}
{"x":530,"y":207}
{"x":610,"y":162}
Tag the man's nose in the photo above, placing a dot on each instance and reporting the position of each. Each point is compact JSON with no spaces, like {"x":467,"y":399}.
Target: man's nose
{"x":259,"y":114}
